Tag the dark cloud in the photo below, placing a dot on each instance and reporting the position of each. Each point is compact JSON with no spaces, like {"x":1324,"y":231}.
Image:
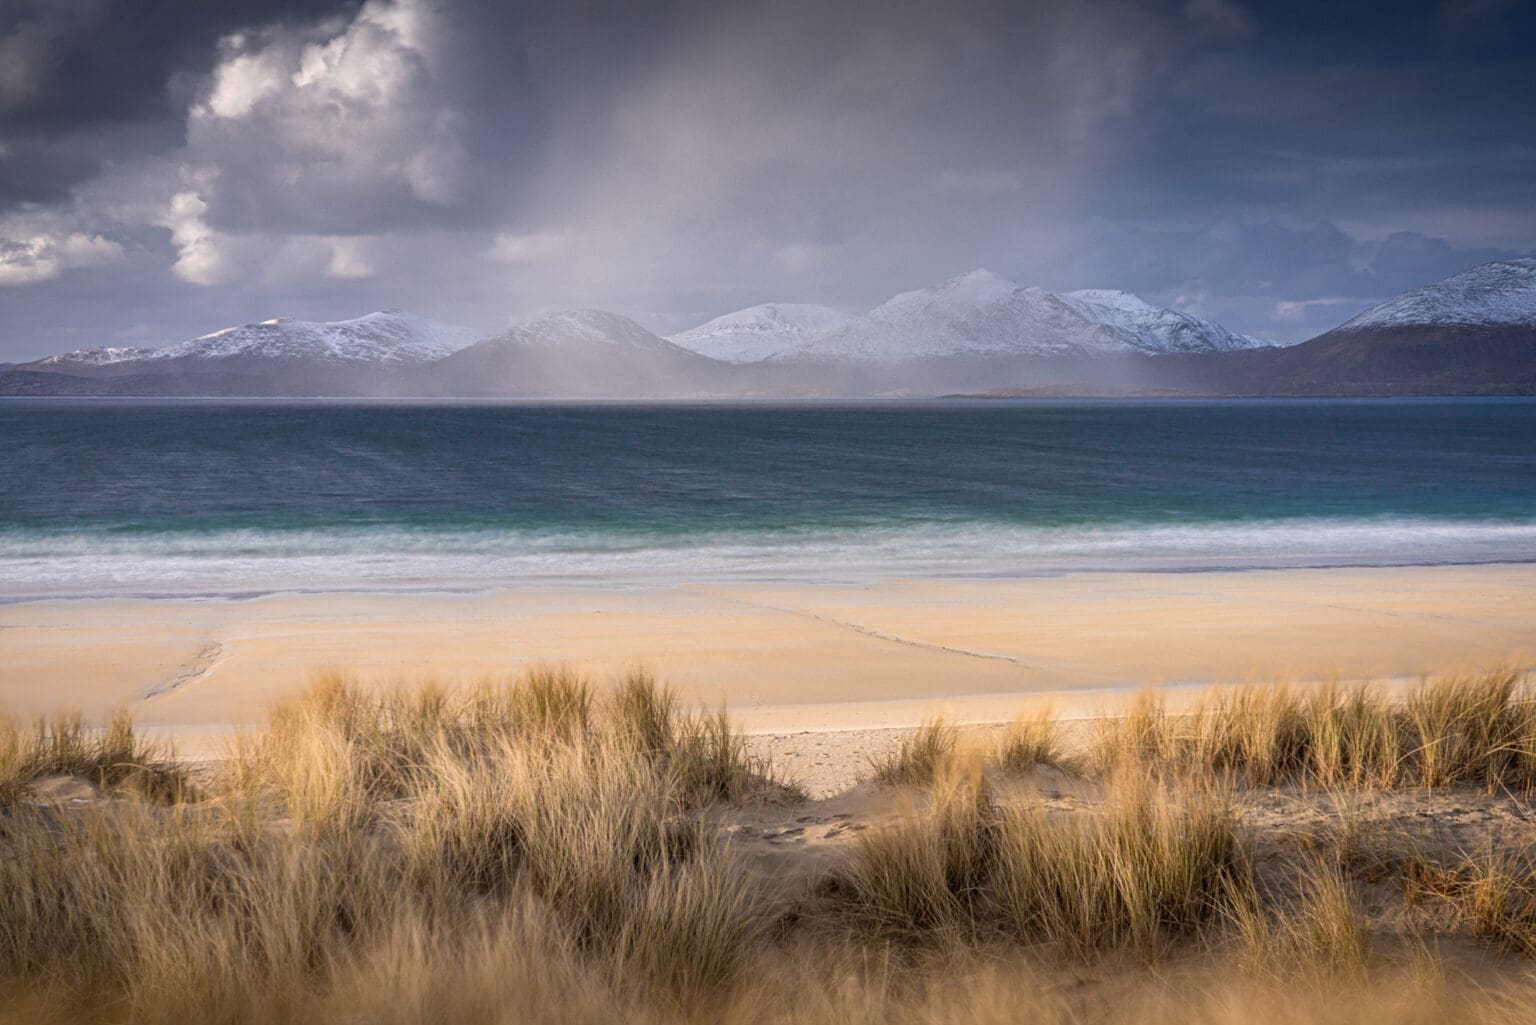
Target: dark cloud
{"x":77,"y":63}
{"x":170,"y":166}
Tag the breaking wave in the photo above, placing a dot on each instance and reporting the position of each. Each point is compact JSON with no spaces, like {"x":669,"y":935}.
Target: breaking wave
{"x":42,"y":562}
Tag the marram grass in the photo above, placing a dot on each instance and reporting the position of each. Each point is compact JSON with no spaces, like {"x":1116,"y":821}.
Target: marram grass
{"x":552,"y":851}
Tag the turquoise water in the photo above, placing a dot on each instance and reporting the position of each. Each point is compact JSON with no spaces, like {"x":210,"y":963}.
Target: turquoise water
{"x":231,"y":497}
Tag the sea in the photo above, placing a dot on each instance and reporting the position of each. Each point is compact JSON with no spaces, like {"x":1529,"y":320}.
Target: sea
{"x":227,"y":498}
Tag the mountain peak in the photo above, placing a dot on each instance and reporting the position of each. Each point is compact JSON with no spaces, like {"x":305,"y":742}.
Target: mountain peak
{"x":984,"y":314}
{"x":1149,"y":328}
{"x":583,"y":327}
{"x":383,"y":337}
{"x":948,"y":298}
{"x":980,"y":284}
{"x":96,"y":356}
{"x":1501,"y":293}
{"x":980,"y":274}
{"x":758,"y":332}
{"x":1112,"y":298}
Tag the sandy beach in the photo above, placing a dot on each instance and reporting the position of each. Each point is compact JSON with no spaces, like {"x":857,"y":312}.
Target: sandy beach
{"x":786,"y":659}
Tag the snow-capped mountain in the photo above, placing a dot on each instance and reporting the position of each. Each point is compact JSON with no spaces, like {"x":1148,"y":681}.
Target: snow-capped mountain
{"x":582,"y":327}
{"x":1153,"y":328}
{"x":922,"y":322}
{"x":576,"y":353}
{"x":1492,"y":294}
{"x":981,"y":314}
{"x":384,"y":338}
{"x":759,"y":332}
{"x":97,"y":356}
{"x":1473,"y":333}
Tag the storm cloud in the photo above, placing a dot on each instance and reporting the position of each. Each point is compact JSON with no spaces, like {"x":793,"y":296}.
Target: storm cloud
{"x":171,"y":167}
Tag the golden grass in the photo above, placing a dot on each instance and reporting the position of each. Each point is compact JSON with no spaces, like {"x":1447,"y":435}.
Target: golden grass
{"x":919,"y":757}
{"x":1149,"y":867}
{"x":1031,"y":740}
{"x":1478,"y":730}
{"x":113,"y":758}
{"x":1318,"y":933}
{"x":547,"y":851}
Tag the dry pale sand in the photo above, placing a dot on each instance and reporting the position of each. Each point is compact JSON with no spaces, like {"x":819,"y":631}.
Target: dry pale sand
{"x":791,"y":661}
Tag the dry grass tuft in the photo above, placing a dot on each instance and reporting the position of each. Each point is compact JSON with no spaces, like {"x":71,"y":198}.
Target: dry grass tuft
{"x":1452,"y":730}
{"x":1499,"y":896}
{"x":644,"y":714}
{"x":113,"y":758}
{"x":1149,"y":867}
{"x":1474,"y":729}
{"x":919,"y":758}
{"x":1494,"y":891}
{"x":1032,"y":740}
{"x":1318,"y":931}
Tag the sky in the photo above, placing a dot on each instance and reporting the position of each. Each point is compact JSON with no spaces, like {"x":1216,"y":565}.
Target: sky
{"x":170,"y":167}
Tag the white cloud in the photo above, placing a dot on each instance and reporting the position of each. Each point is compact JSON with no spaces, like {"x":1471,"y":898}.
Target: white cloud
{"x":1295,"y":310}
{"x":201,"y":258}
{"x":243,"y":80}
{"x":37,"y":247}
{"x":1192,"y":298}
{"x":303,"y":137}
{"x":319,"y":130}
{"x":512,"y":248}
{"x":349,"y":260}
{"x":800,"y":257}
{"x":435,"y":173}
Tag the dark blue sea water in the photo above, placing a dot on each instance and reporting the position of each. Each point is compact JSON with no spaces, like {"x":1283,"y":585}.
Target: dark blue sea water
{"x":216,"y":497}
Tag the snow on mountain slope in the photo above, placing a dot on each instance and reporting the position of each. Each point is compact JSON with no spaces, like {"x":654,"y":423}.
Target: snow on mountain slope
{"x":1154,"y":329}
{"x":948,"y":319}
{"x":1492,"y":294}
{"x":758,"y":332}
{"x":388,"y":337}
{"x":950,"y":299}
{"x":94,"y":357}
{"x":584,"y":327}
{"x":982,"y":314}
{"x":1034,"y":322}
{"x":576,"y":354}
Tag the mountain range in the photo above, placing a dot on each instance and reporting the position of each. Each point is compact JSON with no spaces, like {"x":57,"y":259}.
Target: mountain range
{"x":976,"y":314}
{"x":1473,"y":333}
{"x":978,"y":333}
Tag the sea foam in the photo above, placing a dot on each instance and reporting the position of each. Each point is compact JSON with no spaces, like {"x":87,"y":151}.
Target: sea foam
{"x":80,"y":563}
